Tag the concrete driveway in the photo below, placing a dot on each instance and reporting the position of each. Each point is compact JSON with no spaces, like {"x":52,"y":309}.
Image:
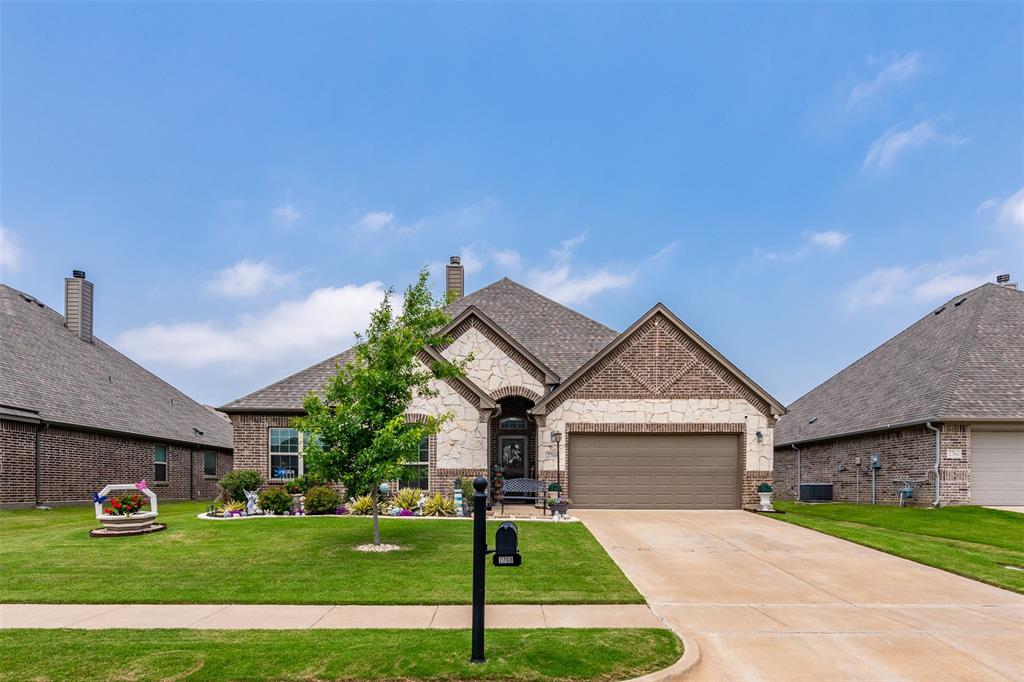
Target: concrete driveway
{"x":765,"y":600}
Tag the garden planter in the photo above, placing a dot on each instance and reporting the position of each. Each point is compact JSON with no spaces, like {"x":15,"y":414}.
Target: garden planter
{"x":766,"y":502}
{"x":560,"y":508}
{"x":135,"y":522}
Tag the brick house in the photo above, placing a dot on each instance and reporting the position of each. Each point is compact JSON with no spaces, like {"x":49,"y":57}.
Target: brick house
{"x":650,"y":417}
{"x":942,"y":401}
{"x":75,"y":414}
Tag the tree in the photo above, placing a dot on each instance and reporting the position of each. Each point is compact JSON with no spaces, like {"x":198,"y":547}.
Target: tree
{"x":360,"y":435}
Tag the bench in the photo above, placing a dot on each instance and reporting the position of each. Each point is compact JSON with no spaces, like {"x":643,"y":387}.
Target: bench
{"x":526,"y":489}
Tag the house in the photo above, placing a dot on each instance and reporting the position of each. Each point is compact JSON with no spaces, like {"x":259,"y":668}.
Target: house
{"x":76,"y":415}
{"x":942,"y":401}
{"x":653,"y":416}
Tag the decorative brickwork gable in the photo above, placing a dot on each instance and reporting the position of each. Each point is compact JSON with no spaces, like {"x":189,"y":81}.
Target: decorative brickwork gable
{"x":659,"y":360}
{"x":515,"y":392}
{"x":74,"y":464}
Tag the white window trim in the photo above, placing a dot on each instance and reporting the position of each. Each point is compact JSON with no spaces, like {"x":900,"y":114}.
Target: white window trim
{"x":166,"y":463}
{"x":302,"y":460}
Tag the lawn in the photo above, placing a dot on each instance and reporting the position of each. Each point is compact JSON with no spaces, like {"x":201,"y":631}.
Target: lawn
{"x":48,"y":557}
{"x":970,"y":541}
{"x":223,"y":655}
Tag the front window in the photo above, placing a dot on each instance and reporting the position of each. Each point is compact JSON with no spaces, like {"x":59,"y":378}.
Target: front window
{"x":160,"y":463}
{"x":209,"y":463}
{"x":285,"y":458}
{"x":420,"y":469}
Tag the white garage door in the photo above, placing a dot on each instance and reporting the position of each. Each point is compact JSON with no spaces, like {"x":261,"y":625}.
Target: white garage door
{"x":997,"y":467}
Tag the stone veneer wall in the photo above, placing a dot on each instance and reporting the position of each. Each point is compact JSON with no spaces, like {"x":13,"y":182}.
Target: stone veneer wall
{"x":462,"y":442}
{"x":75,"y":464}
{"x":759,"y":453}
{"x":492,"y":368}
{"x":907,"y":453}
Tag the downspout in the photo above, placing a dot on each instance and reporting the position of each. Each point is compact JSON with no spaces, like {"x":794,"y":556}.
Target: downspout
{"x":938,"y":459}
{"x":40,"y":427}
{"x":192,"y":473}
{"x":798,"y":479}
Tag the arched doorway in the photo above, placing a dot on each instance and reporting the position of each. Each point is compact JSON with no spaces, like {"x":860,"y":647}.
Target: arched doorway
{"x":514,"y":439}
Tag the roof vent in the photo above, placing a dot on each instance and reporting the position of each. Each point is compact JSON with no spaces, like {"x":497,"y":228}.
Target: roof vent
{"x":812,"y":420}
{"x":940,"y":310}
{"x":957,"y":304}
{"x":1004,"y":281}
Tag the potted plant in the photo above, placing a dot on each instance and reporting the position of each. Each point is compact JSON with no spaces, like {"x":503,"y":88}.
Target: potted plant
{"x":497,"y":482}
{"x":124,"y":512}
{"x":764,"y":491}
{"x":559,"y":504}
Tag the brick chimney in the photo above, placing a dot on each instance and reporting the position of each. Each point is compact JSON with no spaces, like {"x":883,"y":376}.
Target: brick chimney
{"x":455,"y":278}
{"x":78,"y":305}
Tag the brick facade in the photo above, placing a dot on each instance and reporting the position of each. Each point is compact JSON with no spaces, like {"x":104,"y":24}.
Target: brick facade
{"x":75,"y":464}
{"x":907,"y":453}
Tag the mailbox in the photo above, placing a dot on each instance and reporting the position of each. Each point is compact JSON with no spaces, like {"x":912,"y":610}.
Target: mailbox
{"x":506,"y":545}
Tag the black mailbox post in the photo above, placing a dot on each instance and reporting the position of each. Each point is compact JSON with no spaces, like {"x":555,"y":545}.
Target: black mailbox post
{"x":506,"y":545}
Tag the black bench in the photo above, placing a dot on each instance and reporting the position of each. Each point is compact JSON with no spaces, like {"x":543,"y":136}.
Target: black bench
{"x":526,"y":489}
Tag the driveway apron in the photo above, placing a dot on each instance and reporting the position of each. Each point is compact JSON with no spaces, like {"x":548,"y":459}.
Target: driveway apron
{"x":766,"y":600}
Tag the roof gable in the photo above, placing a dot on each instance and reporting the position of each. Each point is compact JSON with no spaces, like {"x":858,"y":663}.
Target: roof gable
{"x":963,"y":360}
{"x":660,"y":357}
{"x":473,"y":317}
{"x":51,"y":373}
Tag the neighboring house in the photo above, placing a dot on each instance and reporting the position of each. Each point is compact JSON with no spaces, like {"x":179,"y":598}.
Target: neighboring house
{"x":76,"y":415}
{"x":651,"y":417}
{"x":943,"y":400}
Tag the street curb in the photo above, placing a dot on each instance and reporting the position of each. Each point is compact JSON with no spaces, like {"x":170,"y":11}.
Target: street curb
{"x":690,"y":658}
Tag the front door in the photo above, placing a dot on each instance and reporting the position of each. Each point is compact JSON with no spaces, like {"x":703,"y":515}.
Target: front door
{"x":514,"y":457}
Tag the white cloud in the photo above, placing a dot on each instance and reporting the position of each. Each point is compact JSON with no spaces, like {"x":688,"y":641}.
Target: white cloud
{"x":286,"y":214}
{"x":11,"y":253}
{"x":887,"y":148}
{"x":829,"y":240}
{"x":1012,"y":210}
{"x":248,"y":278}
{"x":376,"y":220}
{"x":894,"y":68}
{"x":565,"y":249}
{"x":986,"y":205}
{"x":509,"y":259}
{"x":311,"y":328}
{"x":569,"y":288}
{"x":472,"y":262}
{"x":826,"y":240}
{"x":922,"y":283}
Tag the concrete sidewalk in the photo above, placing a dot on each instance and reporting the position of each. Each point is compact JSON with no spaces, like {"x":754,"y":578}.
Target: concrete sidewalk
{"x":286,"y":617}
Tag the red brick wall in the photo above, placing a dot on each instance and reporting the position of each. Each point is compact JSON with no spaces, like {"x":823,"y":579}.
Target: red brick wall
{"x":252,"y":439}
{"x":75,"y":464}
{"x":906,"y":454}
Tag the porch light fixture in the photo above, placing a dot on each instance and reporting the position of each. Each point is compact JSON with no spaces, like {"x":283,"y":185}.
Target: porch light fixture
{"x":556,"y":437}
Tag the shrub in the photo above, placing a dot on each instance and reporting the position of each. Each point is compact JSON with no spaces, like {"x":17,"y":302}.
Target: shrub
{"x":764,"y":488}
{"x":362,"y":505}
{"x":236,"y":481}
{"x":407,"y":498}
{"x":275,"y":500}
{"x":439,"y":505}
{"x":226,"y":507}
{"x":321,"y":500}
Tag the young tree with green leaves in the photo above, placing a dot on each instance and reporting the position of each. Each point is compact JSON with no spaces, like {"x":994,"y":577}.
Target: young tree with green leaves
{"x":361,"y":436}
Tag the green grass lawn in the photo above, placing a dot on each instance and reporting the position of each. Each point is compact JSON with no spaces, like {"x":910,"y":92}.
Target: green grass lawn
{"x":48,"y":557}
{"x":970,"y":541}
{"x":222,"y":655}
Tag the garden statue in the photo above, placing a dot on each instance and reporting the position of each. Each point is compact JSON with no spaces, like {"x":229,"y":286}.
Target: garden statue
{"x":252,"y":507}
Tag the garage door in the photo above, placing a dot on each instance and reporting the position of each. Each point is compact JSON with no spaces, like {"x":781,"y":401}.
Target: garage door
{"x":997,"y":467}
{"x":663,"y":471}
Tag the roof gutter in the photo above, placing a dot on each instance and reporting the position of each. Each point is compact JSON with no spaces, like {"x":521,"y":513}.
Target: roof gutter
{"x":938,"y":460}
{"x":860,"y":432}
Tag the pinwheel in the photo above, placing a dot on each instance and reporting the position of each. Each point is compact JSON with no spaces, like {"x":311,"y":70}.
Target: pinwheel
{"x":98,"y":499}
{"x":141,"y":485}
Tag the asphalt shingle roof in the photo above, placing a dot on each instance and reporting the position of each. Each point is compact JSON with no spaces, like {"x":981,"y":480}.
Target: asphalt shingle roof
{"x":560,"y":337}
{"x":963,"y":360}
{"x":46,"y":370}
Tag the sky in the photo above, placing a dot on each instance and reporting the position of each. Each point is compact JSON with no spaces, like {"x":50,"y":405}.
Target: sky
{"x":797,"y":182}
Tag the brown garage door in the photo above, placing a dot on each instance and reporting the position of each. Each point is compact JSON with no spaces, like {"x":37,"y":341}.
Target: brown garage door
{"x":662,"y":471}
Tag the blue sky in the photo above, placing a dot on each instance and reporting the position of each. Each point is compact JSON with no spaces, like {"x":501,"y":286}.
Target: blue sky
{"x":798,"y":182}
